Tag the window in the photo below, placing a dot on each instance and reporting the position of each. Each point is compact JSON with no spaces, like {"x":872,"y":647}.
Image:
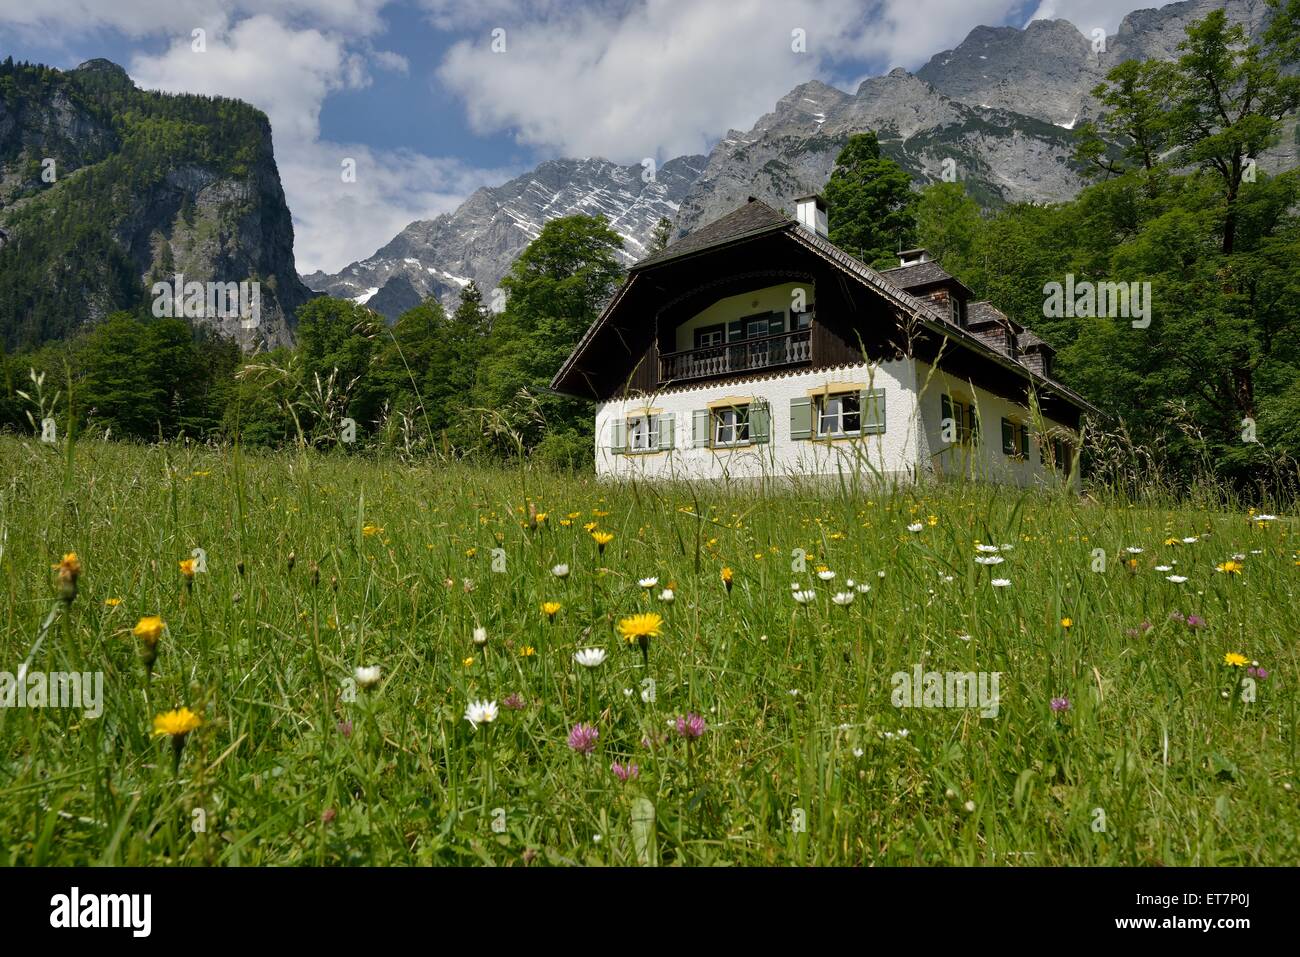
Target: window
{"x":731,"y":426}
{"x":1061,"y":453}
{"x":710,"y":336}
{"x":1015,"y":439}
{"x":839,"y":414}
{"x":959,"y":423}
{"x":643,"y":433}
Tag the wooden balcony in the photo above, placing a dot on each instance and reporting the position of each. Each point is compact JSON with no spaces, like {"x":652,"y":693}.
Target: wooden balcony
{"x":738,"y":358}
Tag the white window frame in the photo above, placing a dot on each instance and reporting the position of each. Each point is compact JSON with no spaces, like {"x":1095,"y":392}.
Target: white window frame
{"x":823,"y":416}
{"x":643,"y":433}
{"x":733,"y":419}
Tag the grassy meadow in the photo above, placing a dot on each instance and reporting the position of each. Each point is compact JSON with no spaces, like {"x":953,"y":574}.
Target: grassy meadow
{"x":755,"y":729}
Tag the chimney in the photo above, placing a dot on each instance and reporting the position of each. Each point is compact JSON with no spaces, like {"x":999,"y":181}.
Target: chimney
{"x":911,"y":257}
{"x":810,"y":211}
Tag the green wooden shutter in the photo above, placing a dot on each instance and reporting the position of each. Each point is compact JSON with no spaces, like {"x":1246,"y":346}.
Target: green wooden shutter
{"x":872,"y":404}
{"x":618,"y":436}
{"x":700,"y":428}
{"x":667,"y":428}
{"x":1008,"y":438}
{"x":1024,"y":442}
{"x":801,"y":413}
{"x":760,"y":423}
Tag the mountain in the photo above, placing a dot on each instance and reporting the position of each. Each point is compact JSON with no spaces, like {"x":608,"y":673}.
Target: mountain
{"x":106,"y":189}
{"x":1000,"y":107}
{"x":1049,"y":69}
{"x":483,"y":236}
{"x":1001,"y":156}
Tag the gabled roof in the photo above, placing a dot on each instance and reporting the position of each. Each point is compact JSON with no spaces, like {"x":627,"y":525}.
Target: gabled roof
{"x":978,"y":313}
{"x":756,"y":219}
{"x":753,"y":219}
{"x":918,"y":274}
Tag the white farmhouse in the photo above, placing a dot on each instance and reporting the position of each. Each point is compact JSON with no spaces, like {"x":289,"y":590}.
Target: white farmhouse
{"x":754,"y":347}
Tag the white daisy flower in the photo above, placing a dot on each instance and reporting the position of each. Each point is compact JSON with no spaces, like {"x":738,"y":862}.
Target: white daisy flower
{"x":915,"y":527}
{"x":667,"y":597}
{"x":880,"y":574}
{"x":1133,"y":551}
{"x":481,"y":712}
{"x":826,"y":575}
{"x":368,"y":677}
{"x":843,"y":598}
{"x":963,"y":637}
{"x":589,"y":657}
{"x":990,"y":560}
{"x":480,"y":635}
{"x":1001,"y":582}
{"x":863,"y":588}
{"x":1265,"y":518}
{"x":1191,"y":540}
{"x":1164,"y":568}
{"x":804,"y":597}
{"x":560,"y":571}
{"x":849,"y":583}
{"x":986,"y":548}
{"x":1176,"y":579}
{"x":648,"y":583}
{"x":858,"y":752}
{"x":1239,"y":557}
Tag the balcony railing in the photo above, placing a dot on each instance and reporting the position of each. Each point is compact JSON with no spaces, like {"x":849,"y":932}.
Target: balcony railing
{"x":748,"y":355}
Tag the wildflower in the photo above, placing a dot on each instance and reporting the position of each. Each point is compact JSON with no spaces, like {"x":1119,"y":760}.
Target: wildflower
{"x":691,"y":726}
{"x":1176,"y":579}
{"x":368,"y":677}
{"x":862,"y":588}
{"x":602,"y":539}
{"x":480,"y":635}
{"x":550,"y":609}
{"x":667,"y":597}
{"x":1231,"y":567}
{"x":468,"y":662}
{"x":1234,"y":660}
{"x":1067,"y":623}
{"x":648,"y":583}
{"x":1256,"y":672}
{"x":826,"y":575}
{"x":514,"y":701}
{"x":560,"y":571}
{"x":187,"y":569}
{"x":1192,"y":540}
{"x":69,"y":570}
{"x":480,"y":712}
{"x":1164,"y":568}
{"x":1133,"y":551}
{"x":177,"y":723}
{"x":843,"y":598}
{"x":1060,"y":704}
{"x":289,"y":562}
{"x":625,"y":772}
{"x":726,"y":579}
{"x":986,"y":548}
{"x":804,"y":597}
{"x":1195,"y":621}
{"x":590,"y":657}
{"x":1001,"y":582}
{"x":641,"y":628}
{"x":932,"y":521}
{"x":582,"y":738}
{"x":112,"y":602}
{"x":149,"y":630}
{"x":344,"y":728}
{"x":990,"y":560}
{"x":915,"y":527}
{"x":370,"y":530}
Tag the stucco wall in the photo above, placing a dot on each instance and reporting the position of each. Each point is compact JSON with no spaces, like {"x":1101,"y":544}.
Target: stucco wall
{"x":776,"y":298}
{"x":892,"y":454}
{"x":986,"y":459}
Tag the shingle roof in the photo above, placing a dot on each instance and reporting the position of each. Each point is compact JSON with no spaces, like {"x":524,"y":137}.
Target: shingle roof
{"x":984,"y":311}
{"x":917,"y":274}
{"x":1028,"y":340}
{"x":752,"y":219}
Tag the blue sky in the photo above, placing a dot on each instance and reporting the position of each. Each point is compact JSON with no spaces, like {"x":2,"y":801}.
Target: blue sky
{"x":418,"y":95}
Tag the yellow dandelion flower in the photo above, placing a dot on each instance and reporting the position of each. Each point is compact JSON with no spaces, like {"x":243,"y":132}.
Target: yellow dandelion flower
{"x":1067,"y":622}
{"x":641,"y":626}
{"x":187,"y":567}
{"x":371,"y":530}
{"x":1234,"y":660}
{"x":112,"y":602}
{"x":177,"y":723}
{"x":468,"y":662}
{"x":550,"y":609}
{"x":527,"y":651}
{"x":1231,"y":567}
{"x":149,"y":629}
{"x":602,"y":539}
{"x":471,"y":552}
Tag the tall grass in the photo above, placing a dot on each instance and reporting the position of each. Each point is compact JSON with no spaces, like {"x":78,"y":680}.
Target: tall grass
{"x":348,"y":562}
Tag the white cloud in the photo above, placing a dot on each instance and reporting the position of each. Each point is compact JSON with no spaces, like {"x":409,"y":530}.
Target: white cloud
{"x":138,"y":18}
{"x":1088,"y":14}
{"x":288,"y":73}
{"x":661,"y":78}
{"x":393,"y":62}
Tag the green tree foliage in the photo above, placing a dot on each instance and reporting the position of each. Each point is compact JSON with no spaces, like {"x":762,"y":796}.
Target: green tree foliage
{"x":872,"y":205}
{"x":554,"y":291}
